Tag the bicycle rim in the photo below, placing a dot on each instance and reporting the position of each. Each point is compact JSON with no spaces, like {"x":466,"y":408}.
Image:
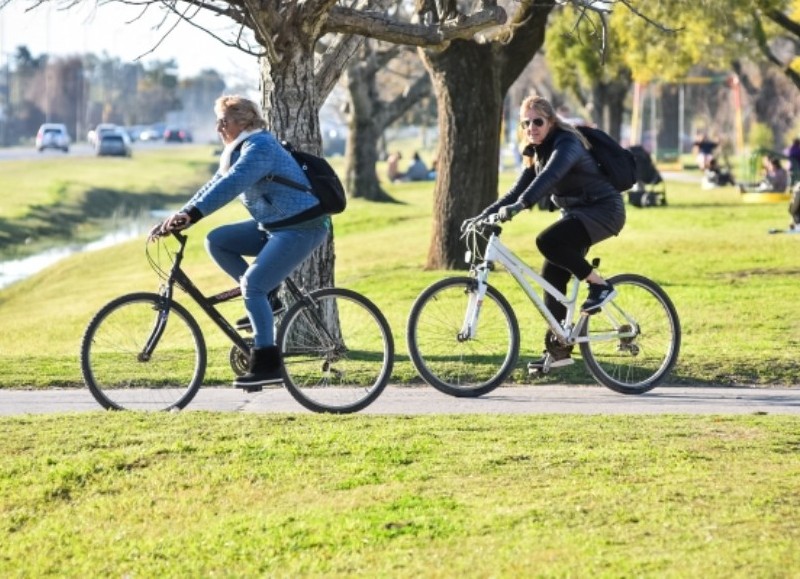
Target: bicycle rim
{"x":464,"y":368}
{"x":338,"y":351}
{"x":120,"y":377}
{"x":634,"y":341}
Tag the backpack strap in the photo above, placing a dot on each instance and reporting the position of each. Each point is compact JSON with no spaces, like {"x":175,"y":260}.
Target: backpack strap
{"x":288,"y":182}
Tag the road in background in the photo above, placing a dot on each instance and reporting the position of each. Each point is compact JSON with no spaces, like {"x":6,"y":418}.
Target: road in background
{"x":75,"y":150}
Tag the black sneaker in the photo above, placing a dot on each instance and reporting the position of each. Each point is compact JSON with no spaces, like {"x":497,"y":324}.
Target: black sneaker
{"x":255,"y":381}
{"x":549,"y":361}
{"x":264,"y":368}
{"x":599,"y":295}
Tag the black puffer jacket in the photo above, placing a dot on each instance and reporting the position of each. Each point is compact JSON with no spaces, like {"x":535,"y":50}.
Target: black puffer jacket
{"x":565,"y":170}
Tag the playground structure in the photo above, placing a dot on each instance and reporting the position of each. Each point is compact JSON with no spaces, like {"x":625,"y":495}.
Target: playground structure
{"x":647,"y":113}
{"x":655,"y":114}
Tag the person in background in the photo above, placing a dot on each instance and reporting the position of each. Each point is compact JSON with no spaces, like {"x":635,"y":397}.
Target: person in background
{"x":279,"y":234}
{"x":393,"y":167}
{"x":716,"y":176}
{"x":434,"y":170}
{"x":794,"y":207}
{"x":704,"y":147}
{"x":776,"y":178}
{"x":560,"y":165}
{"x":793,"y":152}
{"x":417,"y":171}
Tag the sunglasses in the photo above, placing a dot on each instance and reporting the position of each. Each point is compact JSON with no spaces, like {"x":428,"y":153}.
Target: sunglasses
{"x":222,"y":122}
{"x":528,"y":122}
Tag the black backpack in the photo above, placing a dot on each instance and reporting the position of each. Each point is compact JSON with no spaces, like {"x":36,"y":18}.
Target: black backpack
{"x":325,"y":186}
{"x":615,"y":162}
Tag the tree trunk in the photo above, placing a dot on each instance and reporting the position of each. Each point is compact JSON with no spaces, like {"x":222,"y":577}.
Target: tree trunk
{"x":361,"y":177}
{"x":291,"y":110}
{"x":469,"y":143}
{"x":609,"y":103}
{"x":370,"y":115}
{"x":470,"y":79}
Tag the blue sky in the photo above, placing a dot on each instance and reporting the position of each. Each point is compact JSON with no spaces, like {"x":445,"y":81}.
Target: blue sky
{"x":114,"y":29}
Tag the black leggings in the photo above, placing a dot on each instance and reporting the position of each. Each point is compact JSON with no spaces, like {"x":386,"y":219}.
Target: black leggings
{"x":564,"y":246}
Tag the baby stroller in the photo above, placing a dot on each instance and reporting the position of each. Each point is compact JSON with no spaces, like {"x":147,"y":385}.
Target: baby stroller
{"x":650,"y":189}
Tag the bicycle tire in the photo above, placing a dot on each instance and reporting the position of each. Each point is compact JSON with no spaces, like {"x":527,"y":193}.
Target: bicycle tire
{"x":338,"y":351}
{"x":114,"y":369}
{"x":462,"y":368}
{"x":640,"y":362}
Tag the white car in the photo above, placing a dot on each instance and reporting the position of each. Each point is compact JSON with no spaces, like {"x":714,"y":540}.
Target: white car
{"x":113,"y":142}
{"x":94,"y":135}
{"x":53,"y":136}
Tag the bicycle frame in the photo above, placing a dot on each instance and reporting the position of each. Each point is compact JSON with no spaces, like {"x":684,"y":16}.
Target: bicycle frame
{"x":570,"y":332}
{"x":207,"y":303}
{"x":497,"y":252}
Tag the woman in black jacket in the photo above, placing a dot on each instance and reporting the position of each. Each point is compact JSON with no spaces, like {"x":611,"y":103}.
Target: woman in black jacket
{"x":560,"y":165}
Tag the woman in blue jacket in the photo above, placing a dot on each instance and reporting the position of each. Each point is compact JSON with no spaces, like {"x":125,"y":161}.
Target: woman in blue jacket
{"x":277,"y":242}
{"x":560,"y":165}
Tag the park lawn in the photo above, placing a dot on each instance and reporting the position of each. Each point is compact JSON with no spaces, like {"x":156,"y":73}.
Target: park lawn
{"x":727,"y":277}
{"x":199,"y":494}
{"x":194,"y":494}
{"x":49,"y":198}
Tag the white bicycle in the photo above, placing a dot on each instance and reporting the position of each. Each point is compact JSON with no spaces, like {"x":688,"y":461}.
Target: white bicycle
{"x":464,"y":340}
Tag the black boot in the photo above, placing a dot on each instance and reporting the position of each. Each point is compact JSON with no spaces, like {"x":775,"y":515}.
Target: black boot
{"x":264,"y":368}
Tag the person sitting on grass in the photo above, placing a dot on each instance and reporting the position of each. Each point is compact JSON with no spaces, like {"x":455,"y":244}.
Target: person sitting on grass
{"x":417,"y":171}
{"x":776,"y":178}
{"x":716,"y":176}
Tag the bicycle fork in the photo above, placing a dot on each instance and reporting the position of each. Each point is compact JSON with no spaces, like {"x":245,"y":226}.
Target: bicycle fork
{"x":159,"y":325}
{"x":476,"y":290}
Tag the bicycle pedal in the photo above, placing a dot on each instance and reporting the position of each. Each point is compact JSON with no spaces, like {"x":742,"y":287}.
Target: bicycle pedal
{"x":536,"y":370}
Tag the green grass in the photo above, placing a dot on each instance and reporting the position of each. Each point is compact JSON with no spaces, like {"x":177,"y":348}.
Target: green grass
{"x":50,"y":198}
{"x":734,"y":285}
{"x":240,"y":495}
{"x":211,"y":494}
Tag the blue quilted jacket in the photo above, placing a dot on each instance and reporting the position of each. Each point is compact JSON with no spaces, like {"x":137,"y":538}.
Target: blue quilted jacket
{"x":258,"y":156}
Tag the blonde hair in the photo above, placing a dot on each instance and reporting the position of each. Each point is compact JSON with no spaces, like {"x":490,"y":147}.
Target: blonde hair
{"x":243,"y":111}
{"x":544,"y":109}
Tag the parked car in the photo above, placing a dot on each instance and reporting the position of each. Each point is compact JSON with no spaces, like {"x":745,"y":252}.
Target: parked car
{"x":176,"y":135}
{"x":153,"y":132}
{"x":53,"y":136}
{"x":101,"y":129}
{"x":334,"y":141}
{"x":113,"y":144}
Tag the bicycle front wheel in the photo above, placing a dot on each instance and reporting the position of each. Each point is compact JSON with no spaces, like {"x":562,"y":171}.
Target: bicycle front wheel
{"x":141,"y":352}
{"x":448,"y":362}
{"x":338,"y":351}
{"x":634,"y":341}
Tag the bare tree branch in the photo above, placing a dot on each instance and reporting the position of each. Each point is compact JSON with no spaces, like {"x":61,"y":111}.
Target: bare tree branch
{"x":382,"y":27}
{"x":328,"y":69}
{"x":782,"y":20}
{"x":763,"y":45}
{"x":650,"y":21}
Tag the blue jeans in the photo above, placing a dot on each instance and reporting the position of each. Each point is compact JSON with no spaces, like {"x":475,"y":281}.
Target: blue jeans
{"x":277,"y":254}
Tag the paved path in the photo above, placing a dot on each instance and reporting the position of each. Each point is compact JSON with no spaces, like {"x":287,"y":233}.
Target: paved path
{"x":426,"y":400}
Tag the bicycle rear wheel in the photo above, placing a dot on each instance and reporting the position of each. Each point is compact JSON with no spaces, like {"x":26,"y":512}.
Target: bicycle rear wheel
{"x":140,"y":352}
{"x":635,"y":340}
{"x":338,"y":351}
{"x":449,"y":363}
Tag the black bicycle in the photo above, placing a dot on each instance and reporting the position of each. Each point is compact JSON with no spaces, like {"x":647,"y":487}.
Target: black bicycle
{"x":145,"y":351}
